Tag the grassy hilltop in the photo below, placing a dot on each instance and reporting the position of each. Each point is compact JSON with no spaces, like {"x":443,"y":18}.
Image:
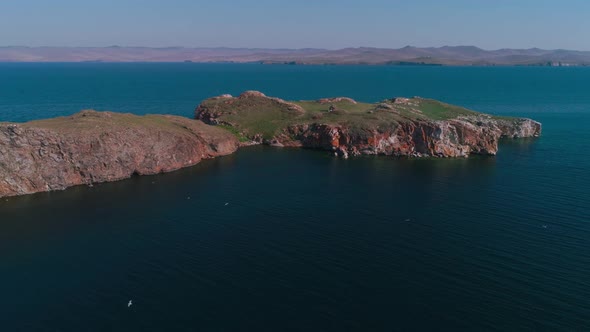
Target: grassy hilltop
{"x":253,"y":113}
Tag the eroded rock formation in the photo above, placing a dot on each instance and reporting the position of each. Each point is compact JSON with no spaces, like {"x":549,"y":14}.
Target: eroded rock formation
{"x":451,"y":138}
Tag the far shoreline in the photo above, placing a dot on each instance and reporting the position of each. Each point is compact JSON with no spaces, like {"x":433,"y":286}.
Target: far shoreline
{"x":409,"y":65}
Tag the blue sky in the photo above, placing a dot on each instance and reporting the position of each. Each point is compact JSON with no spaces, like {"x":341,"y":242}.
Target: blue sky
{"x":489,"y":24}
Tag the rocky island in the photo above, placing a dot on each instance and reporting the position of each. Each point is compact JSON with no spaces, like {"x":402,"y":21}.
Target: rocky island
{"x":92,"y":147}
{"x":399,"y":126}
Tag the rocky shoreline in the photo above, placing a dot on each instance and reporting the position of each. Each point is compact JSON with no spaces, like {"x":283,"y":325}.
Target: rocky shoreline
{"x":400,"y":128}
{"x":458,"y":138}
{"x":92,"y":147}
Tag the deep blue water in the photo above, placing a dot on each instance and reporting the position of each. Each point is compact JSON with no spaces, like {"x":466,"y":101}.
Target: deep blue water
{"x":308,"y":242}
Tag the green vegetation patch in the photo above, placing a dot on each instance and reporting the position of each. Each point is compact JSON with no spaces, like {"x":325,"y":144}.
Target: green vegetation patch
{"x":93,"y":122}
{"x":436,"y":110}
{"x":235,"y":132}
{"x":266,"y":116}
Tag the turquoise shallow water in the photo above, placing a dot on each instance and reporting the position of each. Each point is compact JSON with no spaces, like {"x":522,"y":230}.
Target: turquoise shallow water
{"x":307,"y":242}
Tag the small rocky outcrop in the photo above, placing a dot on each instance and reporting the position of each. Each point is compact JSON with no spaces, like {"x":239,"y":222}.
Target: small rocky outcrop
{"x":336,"y":100}
{"x":250,"y":94}
{"x":224,"y":96}
{"x":91,"y":147}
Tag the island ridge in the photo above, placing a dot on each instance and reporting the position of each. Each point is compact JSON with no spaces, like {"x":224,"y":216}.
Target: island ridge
{"x":415,"y":127}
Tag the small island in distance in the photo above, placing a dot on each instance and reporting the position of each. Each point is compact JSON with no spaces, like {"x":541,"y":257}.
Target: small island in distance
{"x":92,"y":147}
{"x":409,"y":55}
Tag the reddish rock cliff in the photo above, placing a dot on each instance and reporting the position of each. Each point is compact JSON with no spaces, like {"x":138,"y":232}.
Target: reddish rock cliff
{"x":91,"y":147}
{"x":451,"y":138}
{"x":396,"y":127}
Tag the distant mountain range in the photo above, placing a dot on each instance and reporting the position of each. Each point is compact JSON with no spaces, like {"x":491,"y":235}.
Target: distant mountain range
{"x":409,"y":55}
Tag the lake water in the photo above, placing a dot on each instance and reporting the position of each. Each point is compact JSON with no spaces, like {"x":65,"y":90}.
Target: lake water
{"x":307,"y":242}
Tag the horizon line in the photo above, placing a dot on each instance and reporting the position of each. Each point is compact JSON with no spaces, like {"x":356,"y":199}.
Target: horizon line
{"x":297,"y":48}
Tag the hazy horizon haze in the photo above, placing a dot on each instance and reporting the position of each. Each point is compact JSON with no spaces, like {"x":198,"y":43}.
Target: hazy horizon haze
{"x":325,"y":24}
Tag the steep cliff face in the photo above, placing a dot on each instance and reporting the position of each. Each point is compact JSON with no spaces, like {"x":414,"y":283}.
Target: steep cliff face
{"x":92,"y":147}
{"x":453,"y":138}
{"x":399,"y":127}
